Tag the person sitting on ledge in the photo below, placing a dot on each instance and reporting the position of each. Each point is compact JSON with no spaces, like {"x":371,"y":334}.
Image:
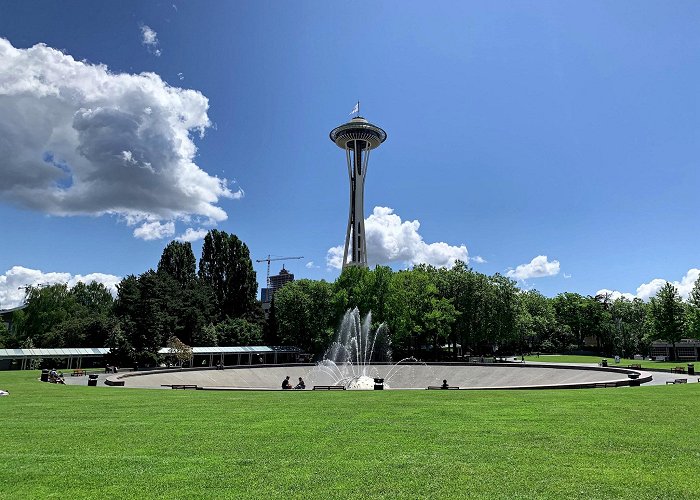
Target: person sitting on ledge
{"x":301,"y":384}
{"x":444,"y":385}
{"x":286,"y":384}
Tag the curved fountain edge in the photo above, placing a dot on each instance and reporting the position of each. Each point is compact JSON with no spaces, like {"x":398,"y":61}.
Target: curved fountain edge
{"x":644,"y":377}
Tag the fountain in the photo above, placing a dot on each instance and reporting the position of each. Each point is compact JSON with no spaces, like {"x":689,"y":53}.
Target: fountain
{"x":349,"y":360}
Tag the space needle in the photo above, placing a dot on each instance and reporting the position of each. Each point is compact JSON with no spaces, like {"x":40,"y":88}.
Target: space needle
{"x":357,"y":137}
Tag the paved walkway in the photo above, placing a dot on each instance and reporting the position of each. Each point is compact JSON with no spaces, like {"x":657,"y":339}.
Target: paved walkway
{"x":658,"y":378}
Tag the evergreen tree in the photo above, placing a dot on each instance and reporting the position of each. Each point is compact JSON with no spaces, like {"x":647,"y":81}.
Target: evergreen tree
{"x":179,"y":262}
{"x":225,"y":266}
{"x":146,"y":309}
{"x":270,"y":335}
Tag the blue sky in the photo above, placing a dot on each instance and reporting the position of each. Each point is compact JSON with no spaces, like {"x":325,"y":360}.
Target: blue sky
{"x":516,"y":130}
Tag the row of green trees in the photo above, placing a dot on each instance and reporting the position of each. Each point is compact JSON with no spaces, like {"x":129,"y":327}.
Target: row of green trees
{"x":430,"y":312}
{"x":213,"y":303}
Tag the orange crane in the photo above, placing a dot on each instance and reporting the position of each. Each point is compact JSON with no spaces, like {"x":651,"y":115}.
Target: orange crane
{"x":269,"y":259}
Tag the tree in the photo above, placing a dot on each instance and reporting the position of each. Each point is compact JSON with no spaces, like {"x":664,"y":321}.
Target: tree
{"x":413,"y":297}
{"x":270,"y":331}
{"x":504,"y":312}
{"x":537,"y":322}
{"x":238,"y":332}
{"x":47,"y":307}
{"x":570,"y":312}
{"x":694,"y":311}
{"x":305,"y":314}
{"x":453,"y":284}
{"x":438,"y":322}
{"x":668,"y":315}
{"x":629,"y":319}
{"x":121,"y":351}
{"x":205,"y":336}
{"x":179,"y":350}
{"x":58,"y":316}
{"x":127,"y":309}
{"x":179,"y":262}
{"x":225,"y":266}
{"x":598,"y":322}
{"x":145,"y":307}
{"x":94,"y":298}
{"x":194,"y":308}
{"x":5,"y":339}
{"x":34,"y":363}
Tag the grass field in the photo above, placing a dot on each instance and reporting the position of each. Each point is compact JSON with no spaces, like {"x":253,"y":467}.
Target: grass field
{"x":86,"y":442}
{"x":561,"y":358}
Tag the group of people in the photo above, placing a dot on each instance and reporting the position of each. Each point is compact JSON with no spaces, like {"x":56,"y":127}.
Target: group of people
{"x":286,"y":384}
{"x":56,"y":377}
{"x":111,"y":369}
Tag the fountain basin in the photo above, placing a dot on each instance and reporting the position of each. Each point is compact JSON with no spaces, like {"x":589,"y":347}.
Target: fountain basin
{"x":408,"y":376}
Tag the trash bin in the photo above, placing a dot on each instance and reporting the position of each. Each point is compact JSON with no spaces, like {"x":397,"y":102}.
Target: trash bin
{"x":604,"y":362}
{"x":92,"y":380}
{"x":44,"y":375}
{"x":378,"y":384}
{"x":634,"y":379}
{"x":691,"y":369}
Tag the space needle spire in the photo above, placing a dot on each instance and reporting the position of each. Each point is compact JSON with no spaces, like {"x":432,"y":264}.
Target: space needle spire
{"x":357,"y":137}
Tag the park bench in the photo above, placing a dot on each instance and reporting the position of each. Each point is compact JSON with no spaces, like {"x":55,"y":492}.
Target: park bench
{"x":78,"y":373}
{"x":180,"y":386}
{"x":678,"y":369}
{"x":441,"y":388}
{"x":678,"y":381}
{"x":329,"y":388}
{"x":635,"y":366}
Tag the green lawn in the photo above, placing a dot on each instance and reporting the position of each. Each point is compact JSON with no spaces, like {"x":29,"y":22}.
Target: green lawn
{"x":87,"y":442}
{"x":549,"y":358}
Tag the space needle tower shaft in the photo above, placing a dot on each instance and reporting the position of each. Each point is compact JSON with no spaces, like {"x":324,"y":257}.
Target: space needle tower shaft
{"x":357,"y":137}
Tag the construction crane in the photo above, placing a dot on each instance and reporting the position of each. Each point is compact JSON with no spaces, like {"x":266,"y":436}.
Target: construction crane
{"x":268,"y":260}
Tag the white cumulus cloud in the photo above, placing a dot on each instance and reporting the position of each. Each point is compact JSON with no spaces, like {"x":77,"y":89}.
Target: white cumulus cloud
{"x":647,"y":290}
{"x":154,"y":230}
{"x":311,"y":265}
{"x":391,"y":240}
{"x":14,"y":281}
{"x":76,"y":139}
{"x":149,"y":38}
{"x":539,"y":267}
{"x":192,"y":234}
